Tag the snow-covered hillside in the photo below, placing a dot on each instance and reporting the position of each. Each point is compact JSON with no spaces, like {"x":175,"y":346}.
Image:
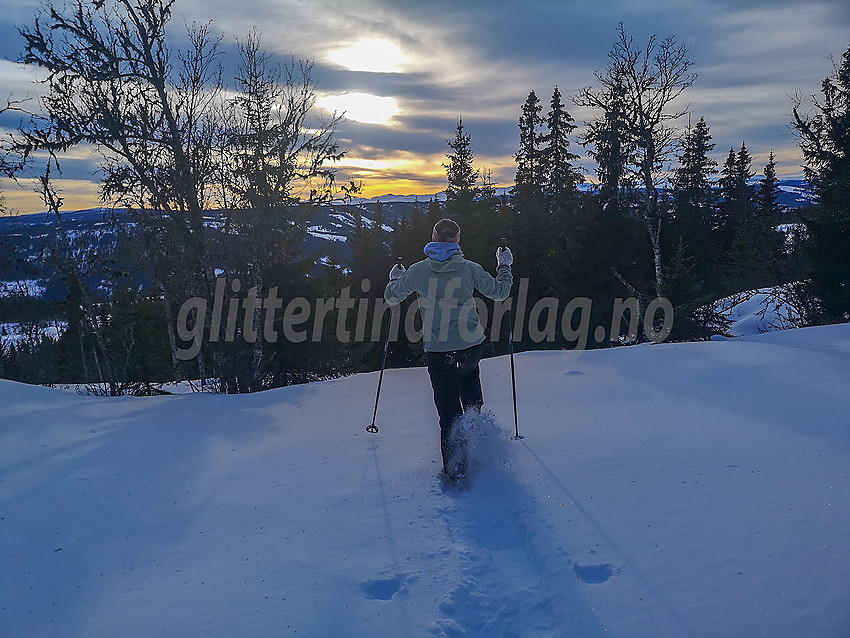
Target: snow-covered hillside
{"x":677,"y":490}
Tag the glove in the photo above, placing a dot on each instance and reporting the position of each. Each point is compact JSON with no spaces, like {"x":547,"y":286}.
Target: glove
{"x":504,"y":256}
{"x":396,"y":272}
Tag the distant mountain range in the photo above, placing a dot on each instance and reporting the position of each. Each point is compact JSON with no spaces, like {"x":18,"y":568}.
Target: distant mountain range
{"x":331,"y":227}
{"x":795,"y":193}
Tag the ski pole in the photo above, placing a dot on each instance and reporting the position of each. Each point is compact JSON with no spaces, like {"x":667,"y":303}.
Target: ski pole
{"x":372,"y":428}
{"x":517,"y":436}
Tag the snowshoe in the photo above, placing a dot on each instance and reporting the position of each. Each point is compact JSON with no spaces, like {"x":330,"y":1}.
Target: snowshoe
{"x":459,"y":482}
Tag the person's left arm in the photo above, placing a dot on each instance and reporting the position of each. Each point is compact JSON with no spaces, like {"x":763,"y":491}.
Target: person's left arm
{"x":498,"y":287}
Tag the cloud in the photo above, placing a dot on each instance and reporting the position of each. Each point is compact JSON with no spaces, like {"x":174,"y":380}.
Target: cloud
{"x":19,"y":81}
{"x":479,"y":59}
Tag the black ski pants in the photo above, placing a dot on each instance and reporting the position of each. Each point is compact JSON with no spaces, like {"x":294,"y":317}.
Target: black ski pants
{"x":457,"y":387}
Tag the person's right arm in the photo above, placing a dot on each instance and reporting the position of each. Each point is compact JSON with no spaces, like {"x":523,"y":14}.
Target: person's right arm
{"x":399,"y":289}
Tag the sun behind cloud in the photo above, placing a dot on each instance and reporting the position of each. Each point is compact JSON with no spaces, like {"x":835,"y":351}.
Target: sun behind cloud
{"x":361,"y":107}
{"x":372,"y":55}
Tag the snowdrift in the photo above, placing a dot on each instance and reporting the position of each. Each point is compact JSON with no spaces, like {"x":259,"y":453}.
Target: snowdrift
{"x":762,"y":310}
{"x":693,"y":489}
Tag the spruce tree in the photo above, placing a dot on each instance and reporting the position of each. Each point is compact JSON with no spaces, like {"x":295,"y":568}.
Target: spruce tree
{"x":754,"y":249}
{"x":461,"y":177}
{"x":769,"y":240}
{"x":692,"y":179}
{"x":768,"y":194}
{"x":560,"y":177}
{"x":465,"y":202}
{"x":745,"y":173}
{"x":693,"y":266}
{"x":527,"y":228}
{"x":727,"y":183}
{"x":611,"y":146}
{"x":825,"y":142}
{"x":694,"y":197}
{"x":529,"y":172}
{"x":738,"y":195}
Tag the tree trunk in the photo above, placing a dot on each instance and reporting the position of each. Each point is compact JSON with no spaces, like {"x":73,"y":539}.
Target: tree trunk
{"x":651,"y":212}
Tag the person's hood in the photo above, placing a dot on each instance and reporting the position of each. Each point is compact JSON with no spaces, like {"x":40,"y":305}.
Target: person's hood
{"x":452,"y":260}
{"x":441,"y":250}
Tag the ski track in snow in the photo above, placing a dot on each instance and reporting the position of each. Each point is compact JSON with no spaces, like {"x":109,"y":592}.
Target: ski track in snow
{"x":513,"y":581}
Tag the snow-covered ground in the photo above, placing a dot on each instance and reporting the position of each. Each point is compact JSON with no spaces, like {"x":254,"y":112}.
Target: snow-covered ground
{"x":17,"y":333}
{"x":696,"y":489}
{"x":22,"y":287}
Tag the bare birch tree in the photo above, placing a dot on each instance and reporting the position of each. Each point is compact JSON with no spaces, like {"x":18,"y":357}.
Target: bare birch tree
{"x":639,"y":86}
{"x":174,"y":145}
{"x":278,"y":161}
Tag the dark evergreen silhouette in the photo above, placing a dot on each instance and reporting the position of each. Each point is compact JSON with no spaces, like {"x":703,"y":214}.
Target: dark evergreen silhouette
{"x":610,"y":144}
{"x":768,"y":193}
{"x":560,"y":177}
{"x":464,"y":196}
{"x":694,"y":202}
{"x":738,"y":195}
{"x":692,"y":181}
{"x":644,"y":82}
{"x":692,"y":273}
{"x":529,"y":157}
{"x":461,"y":177}
{"x":825,"y":141}
{"x":528,"y":229}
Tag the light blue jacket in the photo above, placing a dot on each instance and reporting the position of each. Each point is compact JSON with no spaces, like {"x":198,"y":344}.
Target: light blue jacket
{"x":449,"y":316}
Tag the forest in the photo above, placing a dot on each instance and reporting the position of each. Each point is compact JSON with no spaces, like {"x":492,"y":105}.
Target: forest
{"x":179,"y":145}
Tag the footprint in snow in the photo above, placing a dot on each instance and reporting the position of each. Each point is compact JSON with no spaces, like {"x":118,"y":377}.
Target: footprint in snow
{"x":381,"y":588}
{"x":594,"y":574}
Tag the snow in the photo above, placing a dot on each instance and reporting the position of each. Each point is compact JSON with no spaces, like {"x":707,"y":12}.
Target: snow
{"x":762,"y":310}
{"x":695,"y":489}
{"x":23,"y":287}
{"x":16,"y":333}
{"x":323,"y":233}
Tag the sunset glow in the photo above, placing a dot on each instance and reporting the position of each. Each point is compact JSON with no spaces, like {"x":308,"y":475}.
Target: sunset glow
{"x":404,"y":175}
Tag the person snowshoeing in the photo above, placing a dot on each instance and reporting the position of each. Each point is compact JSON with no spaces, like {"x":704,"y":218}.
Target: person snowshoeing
{"x":452,"y":333}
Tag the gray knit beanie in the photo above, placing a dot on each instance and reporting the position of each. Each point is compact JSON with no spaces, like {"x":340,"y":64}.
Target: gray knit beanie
{"x":446,"y":230}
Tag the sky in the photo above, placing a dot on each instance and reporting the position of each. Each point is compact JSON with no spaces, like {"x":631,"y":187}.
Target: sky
{"x":403,"y":72}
